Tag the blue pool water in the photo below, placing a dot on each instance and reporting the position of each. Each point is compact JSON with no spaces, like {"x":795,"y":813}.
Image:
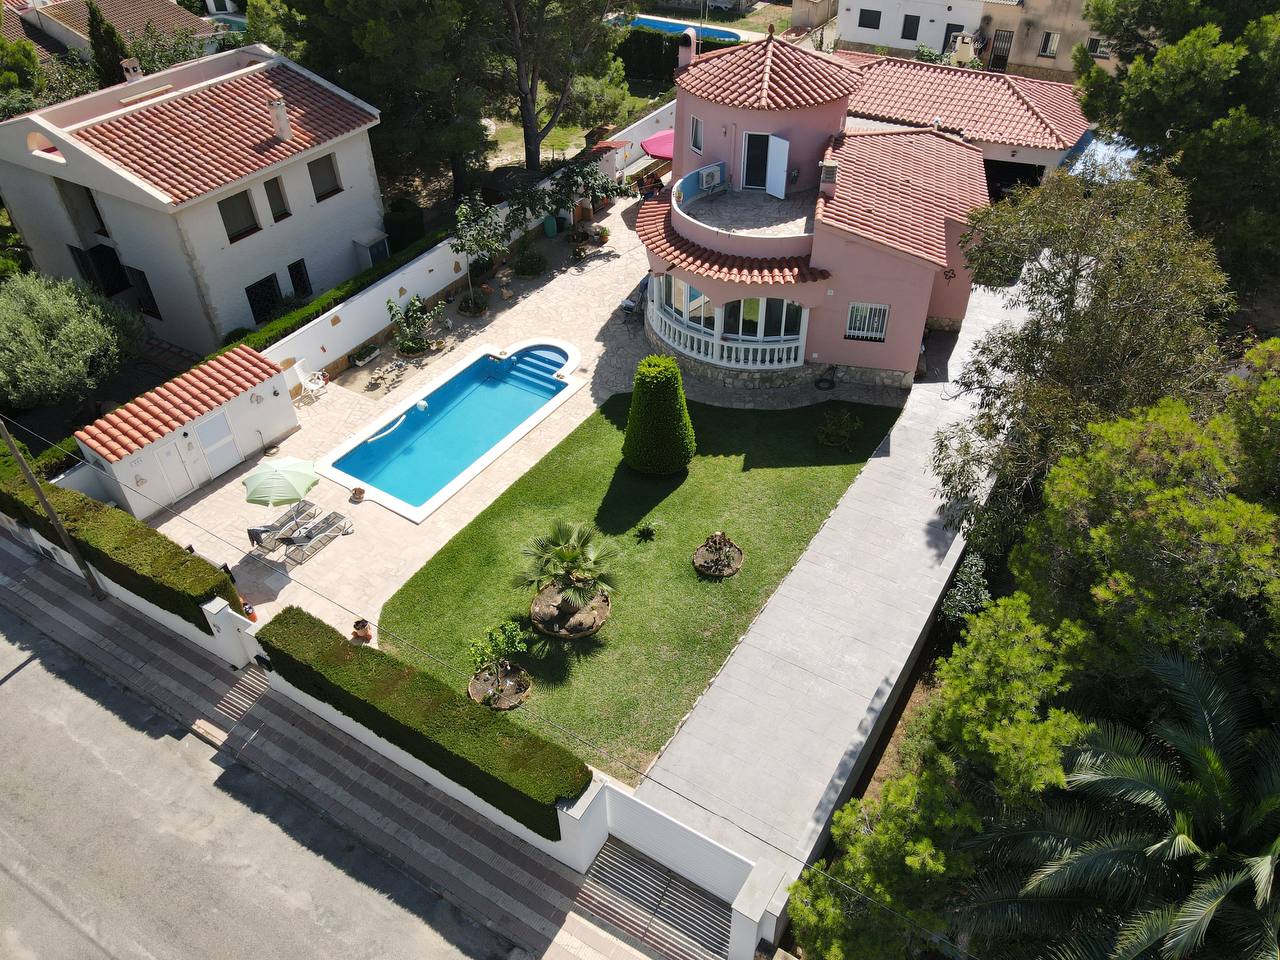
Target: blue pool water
{"x":466,"y":416}
{"x":666,"y":26}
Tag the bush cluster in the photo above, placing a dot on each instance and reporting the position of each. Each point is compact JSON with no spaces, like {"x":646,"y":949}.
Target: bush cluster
{"x":652,"y":55}
{"x":124,"y":550}
{"x":659,"y":438}
{"x":517,"y":771}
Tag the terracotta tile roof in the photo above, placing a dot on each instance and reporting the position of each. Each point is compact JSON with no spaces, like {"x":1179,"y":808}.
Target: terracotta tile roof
{"x":858,"y":58}
{"x":990,"y":107}
{"x":14,"y":28}
{"x":653,"y":224}
{"x":153,"y":415}
{"x":900,"y":187}
{"x":130,"y":16}
{"x":598,"y":149}
{"x":768,"y":74}
{"x":197,"y":142}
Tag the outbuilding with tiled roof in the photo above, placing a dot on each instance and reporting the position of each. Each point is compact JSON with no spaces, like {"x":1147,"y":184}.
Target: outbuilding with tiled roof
{"x":160,"y":447}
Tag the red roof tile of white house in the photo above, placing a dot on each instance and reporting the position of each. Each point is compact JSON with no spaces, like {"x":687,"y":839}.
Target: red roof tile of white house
{"x":653,"y":225}
{"x":990,"y":107}
{"x":769,"y":74}
{"x":153,"y":415}
{"x":196,"y":142}
{"x":899,"y":188}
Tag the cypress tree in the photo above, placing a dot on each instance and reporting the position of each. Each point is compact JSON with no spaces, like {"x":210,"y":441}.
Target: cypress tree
{"x":659,"y":438}
{"x":108,"y":47}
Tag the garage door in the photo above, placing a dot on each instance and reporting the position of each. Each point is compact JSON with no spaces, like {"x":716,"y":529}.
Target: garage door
{"x":220,"y":450}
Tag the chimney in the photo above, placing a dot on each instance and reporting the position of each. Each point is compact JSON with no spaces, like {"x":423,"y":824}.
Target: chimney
{"x":132,"y":69}
{"x":280,"y":118}
{"x":827,"y":171}
{"x":688,"y":46}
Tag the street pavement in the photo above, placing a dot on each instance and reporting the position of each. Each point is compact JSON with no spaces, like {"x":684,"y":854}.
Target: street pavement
{"x":123,"y":836}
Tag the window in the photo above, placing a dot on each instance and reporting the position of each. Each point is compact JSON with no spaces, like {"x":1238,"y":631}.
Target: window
{"x":83,"y":264}
{"x":141,"y":287}
{"x":300,"y":279}
{"x":698,"y":309}
{"x":695,"y":134}
{"x":1049,"y":44}
{"x":275,"y":199}
{"x":767,"y":318}
{"x":910,"y":27}
{"x":219,"y":6}
{"x":1098,"y":48}
{"x":238,"y":216}
{"x":264,"y":298}
{"x":869,"y":19}
{"x":324,"y":177}
{"x":867,"y":321}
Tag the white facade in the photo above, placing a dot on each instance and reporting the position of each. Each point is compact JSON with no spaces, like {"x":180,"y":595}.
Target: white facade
{"x":197,"y":276}
{"x":890,"y":23}
{"x":169,"y":468}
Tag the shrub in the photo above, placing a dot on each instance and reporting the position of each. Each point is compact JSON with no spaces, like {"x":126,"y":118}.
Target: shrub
{"x":58,"y":339}
{"x":968,"y":593}
{"x":659,"y":438}
{"x":515,"y":770}
{"x":575,"y":558}
{"x":839,"y":429}
{"x":124,"y":550}
{"x":403,"y":223}
{"x":415,"y":323}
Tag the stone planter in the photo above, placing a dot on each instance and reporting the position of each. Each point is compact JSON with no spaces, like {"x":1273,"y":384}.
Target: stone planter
{"x":369,"y":359}
{"x":517,"y":687}
{"x":719,"y":557}
{"x":548,"y":619}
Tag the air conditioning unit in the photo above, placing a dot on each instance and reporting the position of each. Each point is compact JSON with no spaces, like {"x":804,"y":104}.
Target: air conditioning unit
{"x":709,"y":177}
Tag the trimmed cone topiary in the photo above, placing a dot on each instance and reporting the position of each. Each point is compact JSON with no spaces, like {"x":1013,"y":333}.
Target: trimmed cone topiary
{"x":659,"y":438}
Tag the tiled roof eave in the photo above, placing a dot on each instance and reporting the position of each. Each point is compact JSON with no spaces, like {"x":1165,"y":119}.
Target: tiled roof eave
{"x":653,"y":225}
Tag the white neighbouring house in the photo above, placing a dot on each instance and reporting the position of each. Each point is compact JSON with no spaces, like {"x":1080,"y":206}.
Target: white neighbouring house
{"x":205,"y":194}
{"x":903,"y":24}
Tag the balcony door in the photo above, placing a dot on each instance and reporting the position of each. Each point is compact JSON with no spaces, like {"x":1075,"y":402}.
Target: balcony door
{"x":764,"y":163}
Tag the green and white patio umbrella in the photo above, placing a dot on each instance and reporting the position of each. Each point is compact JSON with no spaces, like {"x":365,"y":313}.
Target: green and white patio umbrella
{"x":276,"y":482}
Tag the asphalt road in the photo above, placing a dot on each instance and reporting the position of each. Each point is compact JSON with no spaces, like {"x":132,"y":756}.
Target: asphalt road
{"x":123,"y":836}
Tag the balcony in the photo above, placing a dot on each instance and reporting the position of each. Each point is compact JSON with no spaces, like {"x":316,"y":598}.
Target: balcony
{"x":747,"y":223}
{"x":713,"y":345}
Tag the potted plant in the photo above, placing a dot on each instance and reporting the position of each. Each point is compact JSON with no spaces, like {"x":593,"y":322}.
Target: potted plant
{"x":718,"y":557}
{"x":496,"y":682}
{"x":571,"y":569}
{"x":365,"y":354}
{"x":602,"y":236}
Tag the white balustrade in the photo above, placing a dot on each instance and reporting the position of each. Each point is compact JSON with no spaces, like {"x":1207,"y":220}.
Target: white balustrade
{"x":725,"y":352}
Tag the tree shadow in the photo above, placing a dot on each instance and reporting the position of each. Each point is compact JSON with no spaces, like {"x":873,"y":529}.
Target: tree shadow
{"x":631,"y":497}
{"x":550,"y":660}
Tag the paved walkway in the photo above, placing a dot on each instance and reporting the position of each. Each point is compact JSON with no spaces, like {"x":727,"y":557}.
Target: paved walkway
{"x":773,"y":744}
{"x":515,"y":890}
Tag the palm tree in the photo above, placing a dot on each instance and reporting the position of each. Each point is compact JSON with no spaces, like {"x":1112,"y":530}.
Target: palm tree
{"x":1163,"y":844}
{"x":575,"y":558}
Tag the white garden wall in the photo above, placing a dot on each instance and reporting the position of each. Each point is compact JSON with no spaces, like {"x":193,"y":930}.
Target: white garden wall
{"x":605,"y":809}
{"x":336,"y":333}
{"x":231,"y":641}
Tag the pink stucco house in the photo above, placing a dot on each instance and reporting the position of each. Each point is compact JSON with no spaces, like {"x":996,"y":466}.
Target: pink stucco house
{"x":796,"y":235}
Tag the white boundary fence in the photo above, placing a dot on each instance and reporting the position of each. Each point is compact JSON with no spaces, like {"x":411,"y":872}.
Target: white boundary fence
{"x":339,"y":331}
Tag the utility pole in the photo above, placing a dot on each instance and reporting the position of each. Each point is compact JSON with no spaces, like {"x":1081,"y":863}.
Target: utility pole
{"x":94,"y":587}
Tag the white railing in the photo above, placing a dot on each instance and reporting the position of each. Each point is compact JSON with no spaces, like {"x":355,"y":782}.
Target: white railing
{"x":736,"y":354}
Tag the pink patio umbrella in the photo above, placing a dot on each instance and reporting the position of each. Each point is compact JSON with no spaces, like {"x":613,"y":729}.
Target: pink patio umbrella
{"x":661,"y":146}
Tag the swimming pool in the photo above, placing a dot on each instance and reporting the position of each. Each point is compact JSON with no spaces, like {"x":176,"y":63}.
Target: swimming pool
{"x":675,"y":26}
{"x":427,"y":447}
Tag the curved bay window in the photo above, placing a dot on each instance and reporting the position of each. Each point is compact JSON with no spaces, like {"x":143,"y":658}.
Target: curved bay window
{"x":762,"y":318}
{"x":686,"y":303}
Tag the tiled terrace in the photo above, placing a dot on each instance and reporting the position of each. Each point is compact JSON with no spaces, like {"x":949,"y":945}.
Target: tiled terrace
{"x":356,"y":574}
{"x":755,"y":213}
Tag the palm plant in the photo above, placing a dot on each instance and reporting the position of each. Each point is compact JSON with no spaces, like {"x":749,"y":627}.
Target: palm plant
{"x":575,"y":558}
{"x":1163,"y":844}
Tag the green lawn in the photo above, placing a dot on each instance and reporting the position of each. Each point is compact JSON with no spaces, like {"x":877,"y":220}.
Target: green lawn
{"x":760,"y":476}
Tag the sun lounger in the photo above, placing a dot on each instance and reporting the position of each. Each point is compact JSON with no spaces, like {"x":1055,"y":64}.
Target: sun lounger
{"x":301,"y":547}
{"x":267,"y":538}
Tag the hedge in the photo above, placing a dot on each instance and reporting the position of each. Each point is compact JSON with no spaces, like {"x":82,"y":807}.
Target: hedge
{"x":124,"y":550}
{"x":659,"y":437}
{"x":279,"y":328}
{"x":517,"y":771}
{"x":653,"y":55}
{"x":59,"y":458}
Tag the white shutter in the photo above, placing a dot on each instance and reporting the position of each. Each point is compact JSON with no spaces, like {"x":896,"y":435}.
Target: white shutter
{"x":775,"y":183}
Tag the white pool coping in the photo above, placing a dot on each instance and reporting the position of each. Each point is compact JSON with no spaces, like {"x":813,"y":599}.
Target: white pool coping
{"x":325,"y":465}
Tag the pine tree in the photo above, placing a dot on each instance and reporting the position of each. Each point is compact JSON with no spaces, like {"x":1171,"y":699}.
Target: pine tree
{"x":108,"y":47}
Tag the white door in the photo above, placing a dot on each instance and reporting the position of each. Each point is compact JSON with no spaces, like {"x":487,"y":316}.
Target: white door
{"x":776,"y":180}
{"x":174,"y":470}
{"x":220,"y":450}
